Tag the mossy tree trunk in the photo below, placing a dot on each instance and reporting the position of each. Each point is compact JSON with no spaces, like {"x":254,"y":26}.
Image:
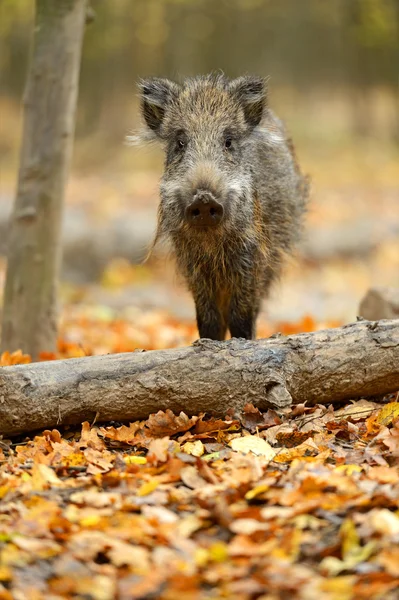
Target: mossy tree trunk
{"x":34,"y":253}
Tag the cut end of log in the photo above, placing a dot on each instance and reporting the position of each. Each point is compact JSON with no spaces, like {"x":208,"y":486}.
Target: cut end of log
{"x":380,"y":303}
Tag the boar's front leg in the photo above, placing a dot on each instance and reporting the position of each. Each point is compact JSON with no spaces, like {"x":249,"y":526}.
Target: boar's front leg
{"x":244,"y":308}
{"x":210,"y":320}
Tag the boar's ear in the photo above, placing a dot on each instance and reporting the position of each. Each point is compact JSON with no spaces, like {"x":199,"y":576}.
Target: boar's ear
{"x":251,"y":92}
{"x":156,"y":94}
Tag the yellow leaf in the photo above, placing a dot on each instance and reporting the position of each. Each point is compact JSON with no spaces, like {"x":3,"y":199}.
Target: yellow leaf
{"x":135,"y":460}
{"x":338,"y":588}
{"x":352,"y":552}
{"x":3,"y":490}
{"x":254,"y":444}
{"x":289,"y":549}
{"x":350,"y":538}
{"x":147,"y":487}
{"x":333,"y":566}
{"x":194,"y":448}
{"x":201,"y":557}
{"x":348,"y":469}
{"x":218,"y":552}
{"x":5,"y":573}
{"x":90,"y":520}
{"x":305,"y":451}
{"x":388,"y":413}
{"x":259,"y":489}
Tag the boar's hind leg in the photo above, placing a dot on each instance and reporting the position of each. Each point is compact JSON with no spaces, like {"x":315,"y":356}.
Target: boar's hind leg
{"x":210,"y":320}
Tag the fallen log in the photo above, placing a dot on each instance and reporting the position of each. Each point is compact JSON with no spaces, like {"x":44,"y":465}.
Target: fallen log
{"x":360,"y":359}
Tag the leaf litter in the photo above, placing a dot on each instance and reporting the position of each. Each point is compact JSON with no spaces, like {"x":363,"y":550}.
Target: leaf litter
{"x":302,"y":504}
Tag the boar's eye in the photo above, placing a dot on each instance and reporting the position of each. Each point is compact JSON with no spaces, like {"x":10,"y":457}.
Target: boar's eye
{"x":181,"y":140}
{"x":228,"y":143}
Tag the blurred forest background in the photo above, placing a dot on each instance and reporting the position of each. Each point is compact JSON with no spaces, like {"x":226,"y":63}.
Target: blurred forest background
{"x":334,"y":78}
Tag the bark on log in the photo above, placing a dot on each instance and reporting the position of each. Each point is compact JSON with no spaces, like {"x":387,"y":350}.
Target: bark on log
{"x":360,"y":359}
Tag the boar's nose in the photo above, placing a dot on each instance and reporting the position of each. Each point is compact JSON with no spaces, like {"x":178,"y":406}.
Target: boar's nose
{"x":204,"y":210}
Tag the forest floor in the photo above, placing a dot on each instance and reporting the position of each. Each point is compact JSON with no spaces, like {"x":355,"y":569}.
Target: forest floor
{"x":302,"y":504}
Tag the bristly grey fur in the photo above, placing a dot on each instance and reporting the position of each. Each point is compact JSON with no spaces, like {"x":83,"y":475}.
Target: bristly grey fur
{"x":222,"y":139}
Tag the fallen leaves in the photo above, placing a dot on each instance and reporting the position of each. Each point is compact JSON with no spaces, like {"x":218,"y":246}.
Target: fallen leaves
{"x":305,"y":503}
{"x":15,"y":358}
{"x":254,"y":444}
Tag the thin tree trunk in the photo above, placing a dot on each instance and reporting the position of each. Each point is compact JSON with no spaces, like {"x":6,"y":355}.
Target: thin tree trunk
{"x":357,"y":360}
{"x":30,"y":312}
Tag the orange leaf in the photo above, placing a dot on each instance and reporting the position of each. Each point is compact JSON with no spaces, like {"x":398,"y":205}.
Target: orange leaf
{"x":15,"y":358}
{"x":166,"y":423}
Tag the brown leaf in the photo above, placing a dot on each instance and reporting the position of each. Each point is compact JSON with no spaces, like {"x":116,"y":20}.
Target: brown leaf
{"x":288,"y":439}
{"x":213,"y":425}
{"x":389,"y":559}
{"x":252,"y":419}
{"x":390,"y":438}
{"x":89,"y":438}
{"x":95,"y":498}
{"x":166,"y":423}
{"x":206,"y":472}
{"x":126,"y":434}
{"x":158,"y":450}
{"x":298,"y":409}
{"x":100,"y":462}
{"x":122,"y":553}
{"x":191,"y":478}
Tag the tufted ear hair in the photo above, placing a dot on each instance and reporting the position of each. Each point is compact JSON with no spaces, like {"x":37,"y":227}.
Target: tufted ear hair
{"x":156,"y":94}
{"x":251,"y":92}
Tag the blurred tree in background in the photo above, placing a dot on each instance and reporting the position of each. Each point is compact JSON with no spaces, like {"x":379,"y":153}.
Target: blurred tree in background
{"x":350,"y":46}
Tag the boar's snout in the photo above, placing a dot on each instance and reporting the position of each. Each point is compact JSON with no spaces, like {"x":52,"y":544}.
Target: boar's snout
{"x":204,"y":210}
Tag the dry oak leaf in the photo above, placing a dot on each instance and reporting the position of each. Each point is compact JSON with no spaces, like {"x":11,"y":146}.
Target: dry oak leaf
{"x":167,"y":423}
{"x":252,"y":419}
{"x":358,"y":410}
{"x":213,"y":425}
{"x":53,"y":435}
{"x":124,"y":433}
{"x":291,"y":439}
{"x":253,"y":444}
{"x":158,"y":449}
{"x":390,"y":438}
{"x":306,"y":449}
{"x":99,"y":462}
{"x":89,"y":438}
